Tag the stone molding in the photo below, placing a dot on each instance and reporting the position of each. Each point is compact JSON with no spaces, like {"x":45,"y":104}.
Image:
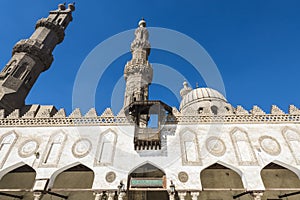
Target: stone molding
{"x":35,"y":49}
{"x":59,"y":30}
{"x":59,"y":118}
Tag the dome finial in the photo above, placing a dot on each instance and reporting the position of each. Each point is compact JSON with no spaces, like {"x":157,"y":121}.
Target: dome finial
{"x":186,"y":89}
{"x":142,"y":22}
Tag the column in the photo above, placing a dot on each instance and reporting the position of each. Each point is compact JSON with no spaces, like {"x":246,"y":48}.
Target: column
{"x":171,"y":196}
{"x":121,"y":195}
{"x":257,"y":195}
{"x":110,"y":195}
{"x":194,"y":195}
{"x":98,"y":195}
{"x":181,"y":195}
{"x":37,"y":195}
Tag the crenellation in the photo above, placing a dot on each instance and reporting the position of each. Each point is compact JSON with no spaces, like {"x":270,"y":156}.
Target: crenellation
{"x":257,"y":111}
{"x":76,"y":113}
{"x":91,"y":113}
{"x":275,"y":110}
{"x":293,"y":110}
{"x":14,"y":115}
{"x":60,"y":114}
{"x":107,"y":113}
{"x":46,"y":111}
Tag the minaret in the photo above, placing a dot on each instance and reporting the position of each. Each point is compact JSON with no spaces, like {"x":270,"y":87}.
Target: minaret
{"x":31,"y":57}
{"x":138,"y":71}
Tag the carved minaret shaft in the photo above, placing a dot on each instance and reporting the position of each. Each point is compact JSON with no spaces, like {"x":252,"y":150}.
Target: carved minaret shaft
{"x":138,"y":71}
{"x":31,"y":57}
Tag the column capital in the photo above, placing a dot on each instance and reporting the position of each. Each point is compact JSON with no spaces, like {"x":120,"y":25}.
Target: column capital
{"x":181,"y":195}
{"x":121,"y":195}
{"x":98,"y":195}
{"x":194,"y":195}
{"x":37,"y":195}
{"x":171,"y":195}
{"x":257,"y":195}
{"x":110,"y":195}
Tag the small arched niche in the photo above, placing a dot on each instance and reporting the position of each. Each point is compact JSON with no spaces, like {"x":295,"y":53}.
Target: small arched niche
{"x":279,"y":180}
{"x":20,"y":178}
{"x":220,"y":182}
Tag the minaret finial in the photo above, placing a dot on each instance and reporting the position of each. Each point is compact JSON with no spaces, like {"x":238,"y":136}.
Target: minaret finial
{"x":141,"y":41}
{"x":142,"y":22}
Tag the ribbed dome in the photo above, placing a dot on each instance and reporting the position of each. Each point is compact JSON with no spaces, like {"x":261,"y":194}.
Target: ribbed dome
{"x":201,"y":94}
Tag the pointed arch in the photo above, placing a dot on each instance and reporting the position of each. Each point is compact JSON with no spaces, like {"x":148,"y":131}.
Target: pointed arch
{"x":106,"y":149}
{"x":277,"y":175}
{"x":145,"y":163}
{"x":23,"y":173}
{"x":70,"y":167}
{"x":11,"y":168}
{"x":189,"y":147}
{"x":231,"y":176}
{"x":284,"y":165}
{"x":7,"y":141}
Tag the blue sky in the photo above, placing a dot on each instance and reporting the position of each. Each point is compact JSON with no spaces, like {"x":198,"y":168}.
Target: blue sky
{"x":255,"y":45}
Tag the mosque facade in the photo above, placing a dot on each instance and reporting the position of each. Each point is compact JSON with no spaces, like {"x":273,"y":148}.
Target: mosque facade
{"x":204,"y":150}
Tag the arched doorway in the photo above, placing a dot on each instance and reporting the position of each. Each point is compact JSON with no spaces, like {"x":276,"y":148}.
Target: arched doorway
{"x":279,"y":180}
{"x":147,"y":182}
{"x":75,"y":182}
{"x":220,"y":182}
{"x":18,"y":182}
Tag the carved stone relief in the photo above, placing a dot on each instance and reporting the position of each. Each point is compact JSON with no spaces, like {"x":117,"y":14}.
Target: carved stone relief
{"x":81,"y":148}
{"x":270,"y":145}
{"x":110,"y":177}
{"x":183,"y":177}
{"x":243,"y":148}
{"x":28,"y":148}
{"x":215,"y":146}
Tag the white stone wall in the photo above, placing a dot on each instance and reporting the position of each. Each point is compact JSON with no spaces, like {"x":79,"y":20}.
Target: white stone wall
{"x":244,"y":148}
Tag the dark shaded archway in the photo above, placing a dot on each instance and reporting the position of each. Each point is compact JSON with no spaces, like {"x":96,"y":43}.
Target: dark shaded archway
{"x":279,"y":180}
{"x":147,"y":192}
{"x":18,"y":182}
{"x":220,"y":182}
{"x":74,"y":182}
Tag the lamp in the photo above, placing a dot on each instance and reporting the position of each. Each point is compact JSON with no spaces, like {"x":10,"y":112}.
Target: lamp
{"x":121,"y":187}
{"x":172,"y":188}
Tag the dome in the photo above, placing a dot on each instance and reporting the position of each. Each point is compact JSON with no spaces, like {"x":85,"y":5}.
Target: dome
{"x":203,"y":98}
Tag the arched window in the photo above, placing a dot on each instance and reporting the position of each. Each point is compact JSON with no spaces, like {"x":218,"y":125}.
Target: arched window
{"x":243,"y":148}
{"x":106,"y":149}
{"x":214,"y":110}
{"x":20,"y":70}
{"x":293,"y":140}
{"x":200,"y":110}
{"x":190,"y":148}
{"x":7,"y":142}
{"x":54,"y":149}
